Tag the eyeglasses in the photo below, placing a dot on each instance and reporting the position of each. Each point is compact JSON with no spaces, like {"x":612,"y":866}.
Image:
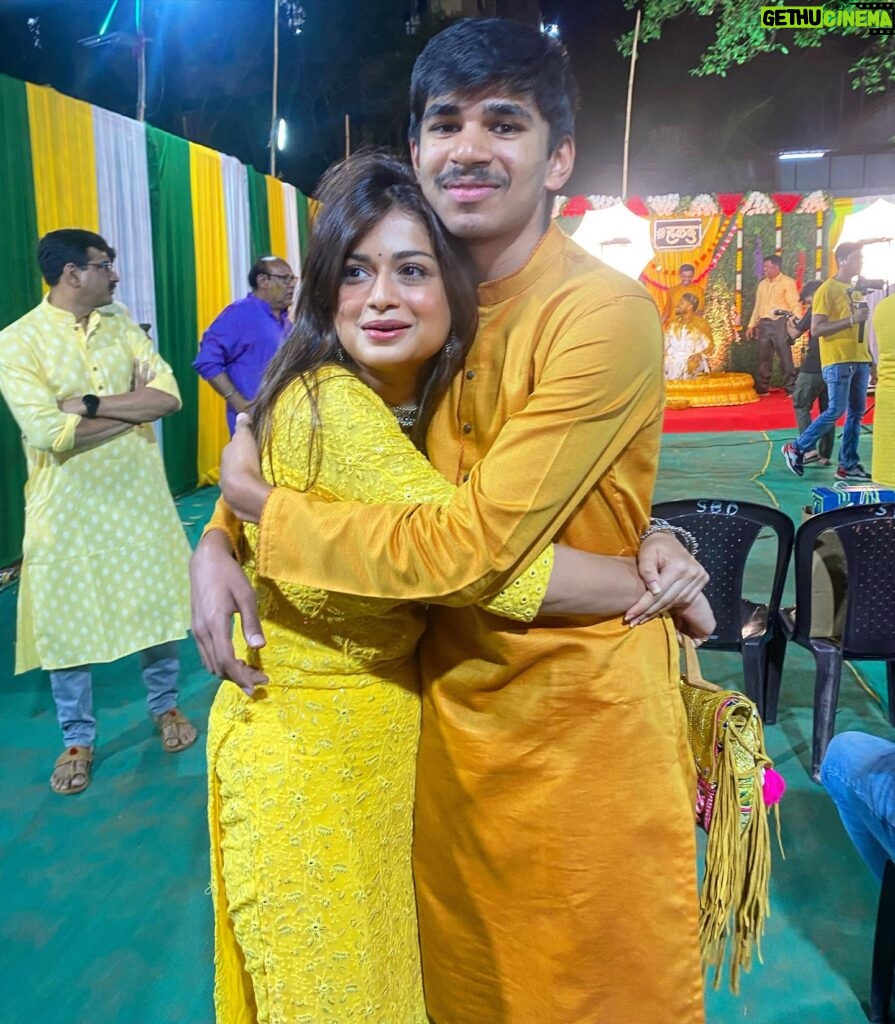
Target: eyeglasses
{"x":289,"y":278}
{"x":106,"y":265}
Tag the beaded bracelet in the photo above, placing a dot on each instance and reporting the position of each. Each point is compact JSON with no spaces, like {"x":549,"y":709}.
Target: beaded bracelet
{"x":686,"y":538}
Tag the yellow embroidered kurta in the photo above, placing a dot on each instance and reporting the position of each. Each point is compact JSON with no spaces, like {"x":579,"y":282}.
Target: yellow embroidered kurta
{"x":105,"y":556}
{"x":554,"y":851}
{"x":312,"y":780}
{"x":883,"y":467}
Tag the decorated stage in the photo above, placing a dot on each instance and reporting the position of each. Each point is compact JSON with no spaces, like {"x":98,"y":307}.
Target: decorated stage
{"x":771,"y":412}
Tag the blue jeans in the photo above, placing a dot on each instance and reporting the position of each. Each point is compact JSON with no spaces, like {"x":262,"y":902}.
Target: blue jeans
{"x":859,"y":774}
{"x":846,"y":393}
{"x":73,"y":692}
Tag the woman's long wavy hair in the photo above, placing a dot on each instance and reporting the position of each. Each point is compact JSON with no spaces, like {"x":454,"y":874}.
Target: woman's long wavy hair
{"x":355,"y":195}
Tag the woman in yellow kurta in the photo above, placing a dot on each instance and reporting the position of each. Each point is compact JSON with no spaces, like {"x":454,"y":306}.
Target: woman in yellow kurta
{"x":312,"y":777}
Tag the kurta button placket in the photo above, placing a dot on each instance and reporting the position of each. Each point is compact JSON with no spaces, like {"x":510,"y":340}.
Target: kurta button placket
{"x":470,"y":374}
{"x":467,"y":428}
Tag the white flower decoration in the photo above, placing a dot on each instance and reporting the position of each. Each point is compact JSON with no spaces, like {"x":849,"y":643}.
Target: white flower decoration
{"x":759,"y":202}
{"x":664,"y":206}
{"x":603,"y":202}
{"x":703,"y":205}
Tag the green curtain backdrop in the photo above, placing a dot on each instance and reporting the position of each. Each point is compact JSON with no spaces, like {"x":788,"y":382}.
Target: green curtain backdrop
{"x":175,"y":295}
{"x":259,"y":222}
{"x":303,"y":221}
{"x":20,"y":291}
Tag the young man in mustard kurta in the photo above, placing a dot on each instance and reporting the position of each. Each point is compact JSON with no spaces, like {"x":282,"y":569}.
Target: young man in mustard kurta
{"x":554,"y":853}
{"x":104,"y":572}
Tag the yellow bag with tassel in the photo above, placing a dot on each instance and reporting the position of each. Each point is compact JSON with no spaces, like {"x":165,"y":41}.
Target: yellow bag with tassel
{"x":735,"y":784}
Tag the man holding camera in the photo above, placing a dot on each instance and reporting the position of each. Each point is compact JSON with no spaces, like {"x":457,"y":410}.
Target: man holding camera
{"x":775,"y":299}
{"x":838,"y":320}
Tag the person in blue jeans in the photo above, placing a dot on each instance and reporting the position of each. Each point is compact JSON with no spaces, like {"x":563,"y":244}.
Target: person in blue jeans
{"x":837,"y":320}
{"x":858,"y":772}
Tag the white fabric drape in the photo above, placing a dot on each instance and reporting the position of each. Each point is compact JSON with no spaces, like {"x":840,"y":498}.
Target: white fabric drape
{"x":125,"y":221}
{"x":293,"y":250}
{"x":239,"y":234}
{"x":122,"y":181}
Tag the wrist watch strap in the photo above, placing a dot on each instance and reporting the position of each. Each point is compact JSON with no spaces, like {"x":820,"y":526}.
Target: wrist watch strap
{"x":91,"y":404}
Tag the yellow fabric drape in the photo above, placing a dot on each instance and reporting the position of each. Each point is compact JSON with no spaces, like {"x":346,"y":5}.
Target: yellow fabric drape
{"x":213,"y":293}
{"x":62,"y":152}
{"x":658,"y":281}
{"x":842,"y":207}
{"x":276,"y":213}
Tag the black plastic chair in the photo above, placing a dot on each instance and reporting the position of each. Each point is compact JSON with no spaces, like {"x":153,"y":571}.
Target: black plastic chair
{"x":726,"y":531}
{"x":883,"y":950}
{"x":867,"y":536}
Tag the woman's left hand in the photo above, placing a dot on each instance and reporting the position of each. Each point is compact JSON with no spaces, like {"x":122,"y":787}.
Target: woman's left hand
{"x":671,"y":575}
{"x":696,"y":620}
{"x":242,"y":485}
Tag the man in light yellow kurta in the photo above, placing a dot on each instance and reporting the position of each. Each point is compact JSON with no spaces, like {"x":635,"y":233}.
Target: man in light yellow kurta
{"x":104,"y":570}
{"x":554,"y":851}
{"x":775,"y":296}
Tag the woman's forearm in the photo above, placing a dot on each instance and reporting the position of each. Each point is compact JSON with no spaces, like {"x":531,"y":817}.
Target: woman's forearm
{"x":583,"y":583}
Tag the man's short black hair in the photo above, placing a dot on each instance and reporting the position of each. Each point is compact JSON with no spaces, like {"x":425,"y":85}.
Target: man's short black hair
{"x":479,"y":55}
{"x":775,"y":259}
{"x":261,"y":266}
{"x":846,"y":249}
{"x":68,"y":245}
{"x":809,"y":289}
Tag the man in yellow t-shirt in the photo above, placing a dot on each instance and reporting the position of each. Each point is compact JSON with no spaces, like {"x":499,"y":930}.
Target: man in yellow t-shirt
{"x":838,"y":320}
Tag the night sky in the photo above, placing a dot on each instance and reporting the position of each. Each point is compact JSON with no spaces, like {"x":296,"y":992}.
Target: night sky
{"x":210,"y":80}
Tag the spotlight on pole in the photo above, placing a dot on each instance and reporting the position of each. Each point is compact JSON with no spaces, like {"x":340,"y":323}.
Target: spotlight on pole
{"x":550,"y":29}
{"x":281,"y":135}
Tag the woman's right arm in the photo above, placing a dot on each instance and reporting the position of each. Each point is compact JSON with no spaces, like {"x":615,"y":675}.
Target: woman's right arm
{"x":599,"y":585}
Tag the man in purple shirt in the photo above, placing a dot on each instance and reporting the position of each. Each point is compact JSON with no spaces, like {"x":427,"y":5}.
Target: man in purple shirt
{"x":236,"y":348}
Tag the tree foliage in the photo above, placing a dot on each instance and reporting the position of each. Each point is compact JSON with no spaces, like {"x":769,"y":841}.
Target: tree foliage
{"x":740,"y":36}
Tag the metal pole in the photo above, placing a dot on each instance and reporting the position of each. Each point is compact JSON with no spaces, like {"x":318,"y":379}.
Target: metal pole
{"x":347,"y":136}
{"x":628,"y":111}
{"x":276,"y":75}
{"x":141,"y":64}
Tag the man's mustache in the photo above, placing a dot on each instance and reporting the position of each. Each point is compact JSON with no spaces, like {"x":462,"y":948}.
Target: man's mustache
{"x":471,"y":176}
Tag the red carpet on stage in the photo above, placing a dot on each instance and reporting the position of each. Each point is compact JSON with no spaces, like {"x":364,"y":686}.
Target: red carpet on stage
{"x":771,"y":412}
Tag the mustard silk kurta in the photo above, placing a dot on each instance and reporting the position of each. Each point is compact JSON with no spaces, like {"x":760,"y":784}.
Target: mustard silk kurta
{"x":675,"y":292}
{"x":554,"y":856}
{"x":883,"y":467}
{"x":105,"y":556}
{"x":311,"y":781}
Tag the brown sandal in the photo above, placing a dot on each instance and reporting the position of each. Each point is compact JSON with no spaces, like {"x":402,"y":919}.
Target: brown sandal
{"x":65,"y":769}
{"x":175,"y":726}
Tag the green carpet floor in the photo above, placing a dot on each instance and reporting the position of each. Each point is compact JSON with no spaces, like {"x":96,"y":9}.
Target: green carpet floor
{"x":105,"y":912}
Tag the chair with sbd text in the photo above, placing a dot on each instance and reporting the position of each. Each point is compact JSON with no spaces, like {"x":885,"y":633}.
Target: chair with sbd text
{"x":867,"y":537}
{"x":726,"y":532}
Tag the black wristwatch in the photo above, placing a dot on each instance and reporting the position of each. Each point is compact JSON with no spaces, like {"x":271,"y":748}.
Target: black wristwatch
{"x":91,"y":404}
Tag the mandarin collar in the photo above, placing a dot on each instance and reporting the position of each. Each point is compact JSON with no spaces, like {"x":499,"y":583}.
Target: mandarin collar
{"x":68,"y":317}
{"x":544,"y":254}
